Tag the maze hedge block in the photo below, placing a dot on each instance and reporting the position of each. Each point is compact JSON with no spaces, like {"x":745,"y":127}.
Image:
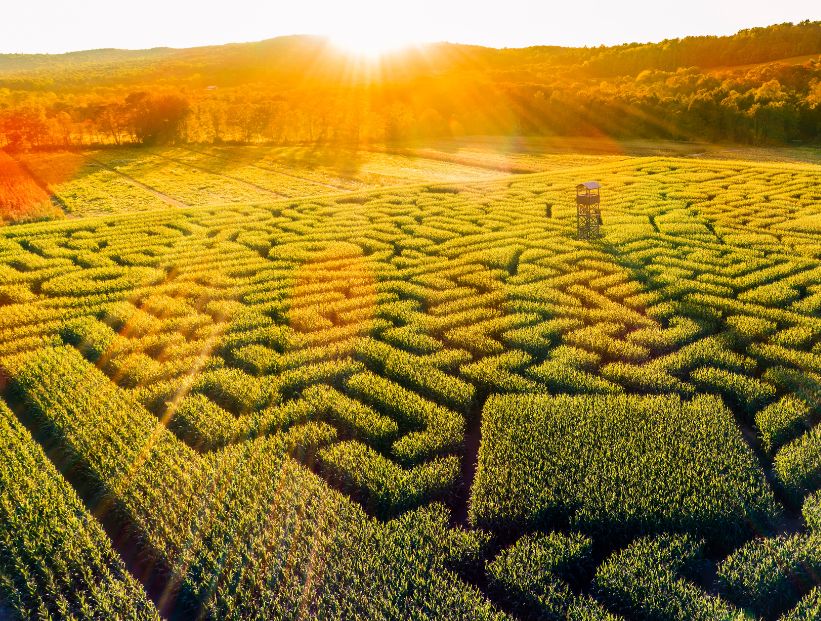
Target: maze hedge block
{"x":216,"y":375}
{"x":682,"y":464}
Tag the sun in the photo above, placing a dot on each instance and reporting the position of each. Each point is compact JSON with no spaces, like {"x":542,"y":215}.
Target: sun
{"x":370,"y":44}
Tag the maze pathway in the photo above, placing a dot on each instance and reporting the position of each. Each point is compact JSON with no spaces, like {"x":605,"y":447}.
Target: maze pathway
{"x":253,"y":392}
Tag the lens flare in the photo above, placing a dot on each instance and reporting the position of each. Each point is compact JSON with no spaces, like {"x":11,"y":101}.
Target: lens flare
{"x":370,"y":44}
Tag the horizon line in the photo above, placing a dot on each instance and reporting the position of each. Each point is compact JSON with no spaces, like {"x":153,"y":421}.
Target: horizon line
{"x":329,"y":37}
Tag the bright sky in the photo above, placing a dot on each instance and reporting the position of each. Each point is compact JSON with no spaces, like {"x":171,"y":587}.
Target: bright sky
{"x":61,"y":25}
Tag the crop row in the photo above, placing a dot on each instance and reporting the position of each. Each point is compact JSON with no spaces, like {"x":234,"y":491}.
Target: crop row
{"x":619,"y":466}
{"x":213,"y":541}
{"x":55,"y":559}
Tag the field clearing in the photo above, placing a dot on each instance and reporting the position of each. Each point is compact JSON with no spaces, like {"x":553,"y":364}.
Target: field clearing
{"x":511,"y":158}
{"x":122,"y":180}
{"x":550,"y":153}
{"x":354,"y":168}
{"x":130,"y":179}
{"x":83,"y":187}
{"x":414,"y":389}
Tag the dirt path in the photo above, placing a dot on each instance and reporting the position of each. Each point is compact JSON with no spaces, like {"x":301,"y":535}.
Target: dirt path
{"x":791,"y":521}
{"x":470,"y":459}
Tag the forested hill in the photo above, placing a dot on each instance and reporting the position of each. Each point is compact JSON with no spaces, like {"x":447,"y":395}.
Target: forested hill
{"x":759,"y":85}
{"x":294,"y":54}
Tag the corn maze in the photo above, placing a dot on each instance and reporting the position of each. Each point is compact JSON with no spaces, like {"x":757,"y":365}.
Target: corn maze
{"x":420,"y":401}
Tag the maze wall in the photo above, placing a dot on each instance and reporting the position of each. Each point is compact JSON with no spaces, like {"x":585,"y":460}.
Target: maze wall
{"x":277,"y":411}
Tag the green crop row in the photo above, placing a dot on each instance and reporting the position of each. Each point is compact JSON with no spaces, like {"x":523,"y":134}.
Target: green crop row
{"x":769,"y":575}
{"x":599,"y":339}
{"x":780,"y":422}
{"x":499,"y":373}
{"x":538,"y":339}
{"x":241,"y":530}
{"x":412,"y":340}
{"x":646,"y":581}
{"x":619,"y":465}
{"x":812,"y":512}
{"x":645,"y":379}
{"x":364,"y":422}
{"x":748,"y":393}
{"x":55,"y":560}
{"x":560,"y":377}
{"x":532,"y":574}
{"x":410,"y":370}
{"x":808,"y":609}
{"x":802,"y":384}
{"x":234,"y":390}
{"x":432,"y":428}
{"x":711,"y":351}
{"x":386,"y":488}
{"x":201,"y":423}
{"x":798,"y":464}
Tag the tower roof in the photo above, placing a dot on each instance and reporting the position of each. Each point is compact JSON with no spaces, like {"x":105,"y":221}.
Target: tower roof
{"x":590,"y":185}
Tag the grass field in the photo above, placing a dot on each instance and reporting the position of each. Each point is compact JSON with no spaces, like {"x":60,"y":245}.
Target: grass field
{"x":257,"y":382}
{"x":120,"y":180}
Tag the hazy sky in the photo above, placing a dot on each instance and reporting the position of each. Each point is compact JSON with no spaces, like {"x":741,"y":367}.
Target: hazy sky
{"x":63,"y":25}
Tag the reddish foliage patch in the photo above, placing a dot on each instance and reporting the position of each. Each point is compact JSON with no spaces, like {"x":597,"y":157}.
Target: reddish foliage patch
{"x":20,"y":196}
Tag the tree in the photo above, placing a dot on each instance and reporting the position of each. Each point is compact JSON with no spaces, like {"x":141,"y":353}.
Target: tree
{"x":158,"y":120}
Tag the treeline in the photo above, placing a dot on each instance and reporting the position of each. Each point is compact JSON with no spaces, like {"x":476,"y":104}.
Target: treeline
{"x":752,"y":46}
{"x":706,"y":88}
{"x":139,"y":118}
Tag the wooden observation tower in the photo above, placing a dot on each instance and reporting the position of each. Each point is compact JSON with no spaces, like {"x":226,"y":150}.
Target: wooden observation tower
{"x":588,"y":212}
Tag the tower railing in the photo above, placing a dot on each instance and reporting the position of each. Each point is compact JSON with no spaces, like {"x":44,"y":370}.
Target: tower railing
{"x":588,"y":210}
